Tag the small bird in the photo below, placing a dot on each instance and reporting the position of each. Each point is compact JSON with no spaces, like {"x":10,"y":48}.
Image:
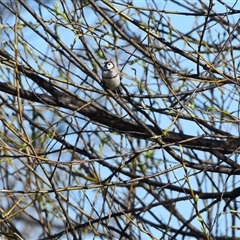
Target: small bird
{"x":111,"y":74}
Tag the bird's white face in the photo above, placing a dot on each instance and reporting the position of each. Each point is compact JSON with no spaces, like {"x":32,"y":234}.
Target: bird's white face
{"x":108,"y":65}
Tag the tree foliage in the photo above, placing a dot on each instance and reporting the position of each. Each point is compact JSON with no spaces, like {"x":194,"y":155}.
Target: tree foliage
{"x":158,"y":161}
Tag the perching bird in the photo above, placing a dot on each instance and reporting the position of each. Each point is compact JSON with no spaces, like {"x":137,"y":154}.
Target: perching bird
{"x":111,"y":74}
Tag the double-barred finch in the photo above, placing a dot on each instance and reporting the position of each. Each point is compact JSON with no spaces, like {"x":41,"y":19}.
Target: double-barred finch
{"x":111,"y":74}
